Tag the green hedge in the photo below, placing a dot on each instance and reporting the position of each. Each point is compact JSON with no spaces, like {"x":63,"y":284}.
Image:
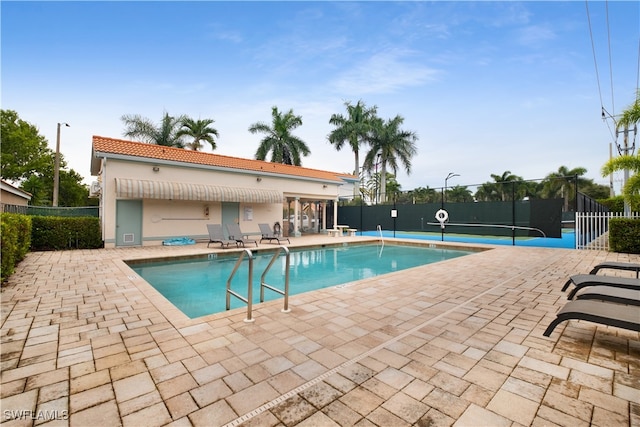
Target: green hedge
{"x":52,"y":233}
{"x":615,"y":204}
{"x":624,"y":235}
{"x":15,"y":240}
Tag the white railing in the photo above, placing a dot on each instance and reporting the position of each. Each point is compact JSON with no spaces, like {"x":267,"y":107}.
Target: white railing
{"x":592,"y":229}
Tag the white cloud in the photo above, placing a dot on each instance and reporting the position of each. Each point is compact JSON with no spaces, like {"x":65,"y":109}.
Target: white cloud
{"x":384,"y":72}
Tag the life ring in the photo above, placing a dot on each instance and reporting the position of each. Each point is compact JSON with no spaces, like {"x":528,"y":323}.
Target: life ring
{"x":442,"y":216}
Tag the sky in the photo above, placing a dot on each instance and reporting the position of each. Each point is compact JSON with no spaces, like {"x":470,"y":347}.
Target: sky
{"x":488,"y":87}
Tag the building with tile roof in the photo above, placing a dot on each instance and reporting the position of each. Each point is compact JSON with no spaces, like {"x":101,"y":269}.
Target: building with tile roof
{"x":150,"y":193}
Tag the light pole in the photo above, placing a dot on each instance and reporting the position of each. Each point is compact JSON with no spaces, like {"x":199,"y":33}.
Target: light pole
{"x":56,"y":166}
{"x":451,"y":175}
{"x":444,"y":190}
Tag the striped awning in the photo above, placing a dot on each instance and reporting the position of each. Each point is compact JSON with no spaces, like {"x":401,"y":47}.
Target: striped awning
{"x":144,"y":189}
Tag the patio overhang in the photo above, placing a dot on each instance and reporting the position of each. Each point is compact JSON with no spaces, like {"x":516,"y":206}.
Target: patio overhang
{"x":145,"y":189}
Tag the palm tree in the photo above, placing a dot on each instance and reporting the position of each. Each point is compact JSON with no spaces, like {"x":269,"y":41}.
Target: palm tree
{"x":487,"y":192}
{"x":285,"y":147}
{"x":165,"y":134}
{"x":631,"y":115}
{"x":390,"y":145}
{"x":459,"y":194}
{"x":502,"y":181}
{"x":559,"y":183}
{"x":200,"y":130}
{"x":631,"y":189}
{"x":352,"y":129}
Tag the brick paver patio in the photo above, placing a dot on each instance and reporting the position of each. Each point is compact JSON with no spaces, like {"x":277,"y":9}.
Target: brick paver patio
{"x":86,"y":342}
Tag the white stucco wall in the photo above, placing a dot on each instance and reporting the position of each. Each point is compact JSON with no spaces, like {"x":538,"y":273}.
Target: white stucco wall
{"x":162,"y":219}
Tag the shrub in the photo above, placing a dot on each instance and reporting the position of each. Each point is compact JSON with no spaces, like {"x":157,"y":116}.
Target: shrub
{"x":624,"y":235}
{"x":15,"y":240}
{"x":56,"y":233}
{"x":615,"y":204}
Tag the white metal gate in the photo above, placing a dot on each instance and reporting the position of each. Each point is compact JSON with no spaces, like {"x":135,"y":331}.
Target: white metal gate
{"x":592,"y":229}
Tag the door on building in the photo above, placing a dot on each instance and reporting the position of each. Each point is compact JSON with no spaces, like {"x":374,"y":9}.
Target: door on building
{"x":230,"y":215}
{"x":128,"y":222}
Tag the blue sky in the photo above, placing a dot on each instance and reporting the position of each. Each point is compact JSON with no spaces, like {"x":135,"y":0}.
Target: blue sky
{"x":487,"y":86}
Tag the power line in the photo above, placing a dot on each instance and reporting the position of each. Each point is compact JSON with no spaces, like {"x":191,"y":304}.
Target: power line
{"x":593,"y":50}
{"x":613,"y":105}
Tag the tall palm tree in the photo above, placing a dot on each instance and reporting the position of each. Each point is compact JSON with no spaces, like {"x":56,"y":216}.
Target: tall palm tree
{"x":390,"y":145}
{"x":199,"y":130}
{"x":352,"y":129}
{"x":285,"y":147}
{"x":165,"y":134}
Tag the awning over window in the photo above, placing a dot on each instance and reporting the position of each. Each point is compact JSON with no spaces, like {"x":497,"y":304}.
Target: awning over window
{"x":143,"y":189}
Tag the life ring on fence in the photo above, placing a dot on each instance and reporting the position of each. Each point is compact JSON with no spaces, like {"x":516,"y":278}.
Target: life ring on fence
{"x":442,"y":216}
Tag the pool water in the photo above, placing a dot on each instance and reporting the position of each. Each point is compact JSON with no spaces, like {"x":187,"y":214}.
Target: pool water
{"x":198,"y":286}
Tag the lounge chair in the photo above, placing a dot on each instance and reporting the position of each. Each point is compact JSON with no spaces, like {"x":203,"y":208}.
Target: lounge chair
{"x":217,"y":236}
{"x":628,"y":266}
{"x":584,"y":280}
{"x":602,"y":312}
{"x":236,"y":234}
{"x":269,"y":235}
{"x":611,"y":294}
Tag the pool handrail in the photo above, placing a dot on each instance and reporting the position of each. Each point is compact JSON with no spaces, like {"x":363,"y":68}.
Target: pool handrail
{"x":284,"y":292}
{"x":248,"y":300}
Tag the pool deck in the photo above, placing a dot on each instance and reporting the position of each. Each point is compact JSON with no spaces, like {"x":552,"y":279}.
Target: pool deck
{"x":86,"y":342}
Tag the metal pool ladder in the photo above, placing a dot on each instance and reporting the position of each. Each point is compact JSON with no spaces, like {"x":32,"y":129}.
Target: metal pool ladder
{"x":284,"y":292}
{"x":249,"y":298}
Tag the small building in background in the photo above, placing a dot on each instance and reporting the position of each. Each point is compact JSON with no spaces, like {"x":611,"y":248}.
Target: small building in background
{"x":13,"y":199}
{"x":149,"y":193}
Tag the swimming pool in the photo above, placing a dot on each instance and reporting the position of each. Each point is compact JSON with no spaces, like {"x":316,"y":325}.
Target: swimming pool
{"x":197,"y":286}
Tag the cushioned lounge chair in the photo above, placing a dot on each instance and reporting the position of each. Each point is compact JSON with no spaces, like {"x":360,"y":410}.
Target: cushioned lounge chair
{"x":611,"y":294}
{"x":236,"y":234}
{"x":628,"y":266}
{"x":583,"y":280}
{"x":217,"y":236}
{"x":269,"y":236}
{"x":602,"y":312}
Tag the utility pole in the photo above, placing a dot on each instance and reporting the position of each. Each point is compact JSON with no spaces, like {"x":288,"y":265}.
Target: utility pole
{"x":626,"y":151}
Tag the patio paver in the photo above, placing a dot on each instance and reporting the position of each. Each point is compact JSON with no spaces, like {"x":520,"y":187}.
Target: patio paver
{"x":85,"y":341}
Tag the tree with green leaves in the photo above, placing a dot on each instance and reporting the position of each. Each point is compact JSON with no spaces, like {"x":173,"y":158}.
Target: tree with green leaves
{"x":284,"y":146}
{"x":167,"y":133}
{"x":390,"y":146}
{"x":24,"y":150}
{"x":27,"y":160}
{"x":198,"y":130}
{"x":352,"y":129}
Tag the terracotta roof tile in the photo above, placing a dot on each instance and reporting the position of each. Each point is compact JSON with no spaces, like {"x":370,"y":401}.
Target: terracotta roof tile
{"x":105,"y":145}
